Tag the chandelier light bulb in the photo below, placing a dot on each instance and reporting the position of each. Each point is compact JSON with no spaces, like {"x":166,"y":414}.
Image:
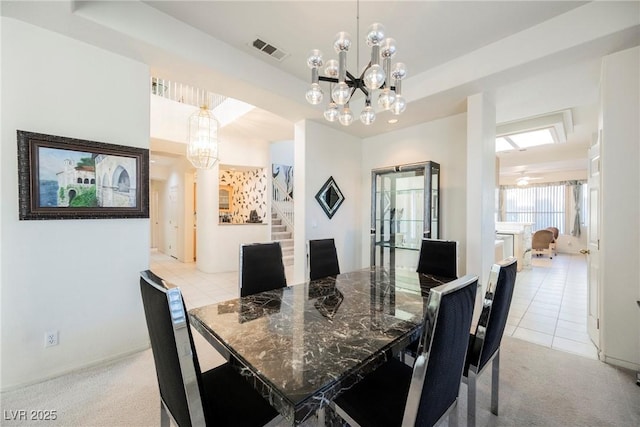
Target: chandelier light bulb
{"x":315,"y":59}
{"x":374,"y":77}
{"x":399,"y":105}
{"x":341,"y":93}
{"x":342,"y":42}
{"x":378,"y":75}
{"x":314,"y":94}
{"x":368,"y":115}
{"x":375,"y":34}
{"x":388,"y":48}
{"x":346,"y":116}
{"x":332,"y":112}
{"x":331,"y":69}
{"x":399,"y":71}
{"x":386,"y":98}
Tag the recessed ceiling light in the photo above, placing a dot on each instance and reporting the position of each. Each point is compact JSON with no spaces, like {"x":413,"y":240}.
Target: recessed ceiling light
{"x":153,"y":161}
{"x":392,"y":121}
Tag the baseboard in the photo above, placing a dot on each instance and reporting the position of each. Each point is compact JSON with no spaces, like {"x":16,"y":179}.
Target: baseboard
{"x":89,"y":365}
{"x":621,"y":363}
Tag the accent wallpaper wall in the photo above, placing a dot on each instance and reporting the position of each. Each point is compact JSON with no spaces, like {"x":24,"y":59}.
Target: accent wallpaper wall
{"x":249,"y":193}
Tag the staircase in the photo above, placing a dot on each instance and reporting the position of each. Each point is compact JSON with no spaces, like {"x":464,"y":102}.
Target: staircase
{"x":280,"y":234}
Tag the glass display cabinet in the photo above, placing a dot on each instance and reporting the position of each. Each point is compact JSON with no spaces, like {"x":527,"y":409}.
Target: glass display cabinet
{"x":405,"y":208}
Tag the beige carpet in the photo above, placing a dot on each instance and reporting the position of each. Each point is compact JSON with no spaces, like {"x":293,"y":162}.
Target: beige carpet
{"x":539,"y":387}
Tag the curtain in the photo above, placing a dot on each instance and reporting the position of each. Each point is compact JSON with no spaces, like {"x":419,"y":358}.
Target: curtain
{"x":577,"y":198}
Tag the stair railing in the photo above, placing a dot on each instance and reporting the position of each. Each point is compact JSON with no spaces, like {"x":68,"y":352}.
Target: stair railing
{"x":282,"y":203}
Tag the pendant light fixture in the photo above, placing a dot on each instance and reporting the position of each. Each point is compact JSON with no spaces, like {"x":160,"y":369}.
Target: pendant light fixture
{"x":202,"y":150}
{"x":342,"y":84}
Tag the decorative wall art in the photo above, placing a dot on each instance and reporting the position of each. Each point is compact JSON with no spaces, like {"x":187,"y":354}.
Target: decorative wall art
{"x":247,"y":192}
{"x":67,"y":178}
{"x":330,"y":197}
{"x":283,"y":174}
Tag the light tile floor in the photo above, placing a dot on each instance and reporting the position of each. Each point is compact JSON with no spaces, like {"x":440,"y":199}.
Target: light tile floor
{"x":549,"y":305}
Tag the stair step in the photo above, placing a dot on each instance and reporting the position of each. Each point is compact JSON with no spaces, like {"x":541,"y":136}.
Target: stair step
{"x":276,"y":221}
{"x":285,"y":243}
{"x":287,"y":260}
{"x":278,"y":228}
{"x":287,"y":250}
{"x":281,"y":235}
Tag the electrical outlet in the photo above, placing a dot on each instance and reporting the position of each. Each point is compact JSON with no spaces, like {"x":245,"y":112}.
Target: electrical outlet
{"x":50,"y":338}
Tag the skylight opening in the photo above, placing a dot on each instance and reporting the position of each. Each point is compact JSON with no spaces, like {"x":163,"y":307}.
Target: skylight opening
{"x":503,"y":145}
{"x":526,"y":139}
{"x":533,"y":138}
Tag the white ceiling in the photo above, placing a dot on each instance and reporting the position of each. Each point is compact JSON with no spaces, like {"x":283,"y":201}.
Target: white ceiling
{"x":428,"y":33}
{"x":536,"y":57}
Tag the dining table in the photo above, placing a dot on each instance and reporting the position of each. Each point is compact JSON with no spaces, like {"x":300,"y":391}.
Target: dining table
{"x":300,"y":346}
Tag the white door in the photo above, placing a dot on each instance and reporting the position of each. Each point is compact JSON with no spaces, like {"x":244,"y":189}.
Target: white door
{"x":154,"y":211}
{"x":172,"y":238}
{"x":593,"y":245}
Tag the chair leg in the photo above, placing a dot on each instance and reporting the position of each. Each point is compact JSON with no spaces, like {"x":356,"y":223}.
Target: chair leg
{"x":471,"y":399}
{"x":164,"y":416}
{"x":495,"y":383}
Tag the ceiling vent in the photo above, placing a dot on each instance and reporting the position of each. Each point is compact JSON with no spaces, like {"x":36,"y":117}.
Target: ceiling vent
{"x":268,"y":49}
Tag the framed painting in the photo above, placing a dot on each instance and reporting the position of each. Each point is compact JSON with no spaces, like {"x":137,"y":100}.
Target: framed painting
{"x":67,"y":178}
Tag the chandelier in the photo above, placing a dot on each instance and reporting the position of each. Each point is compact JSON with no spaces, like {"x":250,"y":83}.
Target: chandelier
{"x":202,"y":150}
{"x":342,"y":84}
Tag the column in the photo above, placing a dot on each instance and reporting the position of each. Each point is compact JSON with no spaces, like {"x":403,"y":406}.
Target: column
{"x":206,"y":218}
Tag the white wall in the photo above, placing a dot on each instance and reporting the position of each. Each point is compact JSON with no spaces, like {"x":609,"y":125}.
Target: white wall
{"x":282,"y":153}
{"x":218,"y":245}
{"x":481,"y":186}
{"x":79,"y":277}
{"x":321,"y":152}
{"x":442,"y":141}
{"x":620,"y":208}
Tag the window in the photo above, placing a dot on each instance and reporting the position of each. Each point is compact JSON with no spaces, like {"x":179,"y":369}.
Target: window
{"x":545,"y":206}
{"x":584,"y":206}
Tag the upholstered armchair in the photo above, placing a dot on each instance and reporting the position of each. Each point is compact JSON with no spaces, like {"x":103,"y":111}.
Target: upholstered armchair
{"x":554,"y":244}
{"x":541,"y":244}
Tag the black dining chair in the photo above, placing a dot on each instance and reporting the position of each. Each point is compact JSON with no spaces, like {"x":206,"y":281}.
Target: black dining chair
{"x":323,"y":259}
{"x":484,"y":344}
{"x":189,"y":397}
{"x":261,"y":268}
{"x":396,"y":394}
{"x":438,"y":258}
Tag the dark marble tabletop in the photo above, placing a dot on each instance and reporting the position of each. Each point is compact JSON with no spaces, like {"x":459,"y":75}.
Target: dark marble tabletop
{"x":301,"y":345}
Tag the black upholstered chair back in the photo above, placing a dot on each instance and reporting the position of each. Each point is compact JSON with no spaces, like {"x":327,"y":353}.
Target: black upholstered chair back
{"x":438,"y":368}
{"x":494,"y":315}
{"x":438,"y":258}
{"x":323,"y":259}
{"x":178,"y":374}
{"x":261,"y":268}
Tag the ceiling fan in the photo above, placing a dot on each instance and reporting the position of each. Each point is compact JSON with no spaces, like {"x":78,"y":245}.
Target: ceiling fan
{"x":524,"y":180}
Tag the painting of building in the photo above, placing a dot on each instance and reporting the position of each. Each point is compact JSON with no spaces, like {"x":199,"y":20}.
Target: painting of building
{"x":115,"y":181}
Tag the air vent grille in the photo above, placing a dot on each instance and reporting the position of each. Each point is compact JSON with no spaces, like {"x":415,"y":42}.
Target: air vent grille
{"x":269,"y":49}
